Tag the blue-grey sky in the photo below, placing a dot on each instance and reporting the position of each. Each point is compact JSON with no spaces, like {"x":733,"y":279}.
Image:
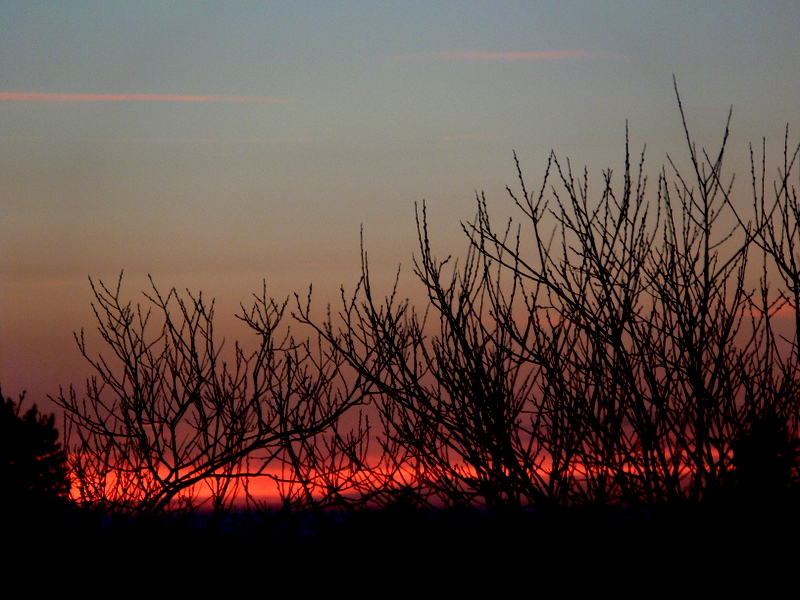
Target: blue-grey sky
{"x":216,"y":144}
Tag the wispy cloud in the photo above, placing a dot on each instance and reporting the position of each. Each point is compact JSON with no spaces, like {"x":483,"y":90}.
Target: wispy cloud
{"x":39,"y":283}
{"x":479,"y":56}
{"x":708,"y":109}
{"x":188,"y":141}
{"x":39,"y":97}
{"x":274,"y":140}
{"x":466,"y":136}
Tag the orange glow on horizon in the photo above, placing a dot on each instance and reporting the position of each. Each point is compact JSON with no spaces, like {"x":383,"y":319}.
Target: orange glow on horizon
{"x":275,"y":485}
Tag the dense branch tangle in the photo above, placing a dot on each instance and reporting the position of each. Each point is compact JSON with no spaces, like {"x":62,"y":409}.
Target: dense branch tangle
{"x":644,"y":401}
{"x":604,"y":349}
{"x":167,"y":412}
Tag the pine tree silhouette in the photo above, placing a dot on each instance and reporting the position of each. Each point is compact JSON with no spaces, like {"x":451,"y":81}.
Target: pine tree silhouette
{"x":33,"y":467}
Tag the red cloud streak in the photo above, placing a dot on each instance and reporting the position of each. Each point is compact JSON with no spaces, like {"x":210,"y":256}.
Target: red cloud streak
{"x":37,"y":97}
{"x":508,"y":56}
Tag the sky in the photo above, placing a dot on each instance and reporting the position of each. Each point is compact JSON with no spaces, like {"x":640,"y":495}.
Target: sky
{"x":219,"y":145}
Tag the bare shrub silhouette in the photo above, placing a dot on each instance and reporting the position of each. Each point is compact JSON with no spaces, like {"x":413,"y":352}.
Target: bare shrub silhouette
{"x":668,"y":352}
{"x":603,"y":349}
{"x":167,"y":414}
{"x":449,"y":394}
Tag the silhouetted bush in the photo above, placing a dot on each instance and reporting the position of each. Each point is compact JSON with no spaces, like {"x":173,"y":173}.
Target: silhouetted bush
{"x":170,"y":417}
{"x":605,"y":354}
{"x":765,"y":464}
{"x":604,"y":350}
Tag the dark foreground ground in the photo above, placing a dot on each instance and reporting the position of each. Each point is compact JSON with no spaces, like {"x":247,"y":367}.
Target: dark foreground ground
{"x":692,"y":550}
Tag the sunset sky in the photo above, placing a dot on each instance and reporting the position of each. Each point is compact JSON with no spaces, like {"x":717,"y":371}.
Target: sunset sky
{"x":214,"y":145}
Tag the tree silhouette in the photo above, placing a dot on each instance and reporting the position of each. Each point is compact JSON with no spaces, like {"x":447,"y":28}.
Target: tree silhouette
{"x":32,"y":462}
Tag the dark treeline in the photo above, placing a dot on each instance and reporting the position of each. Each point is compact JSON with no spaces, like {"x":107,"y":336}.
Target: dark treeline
{"x":627,"y":347}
